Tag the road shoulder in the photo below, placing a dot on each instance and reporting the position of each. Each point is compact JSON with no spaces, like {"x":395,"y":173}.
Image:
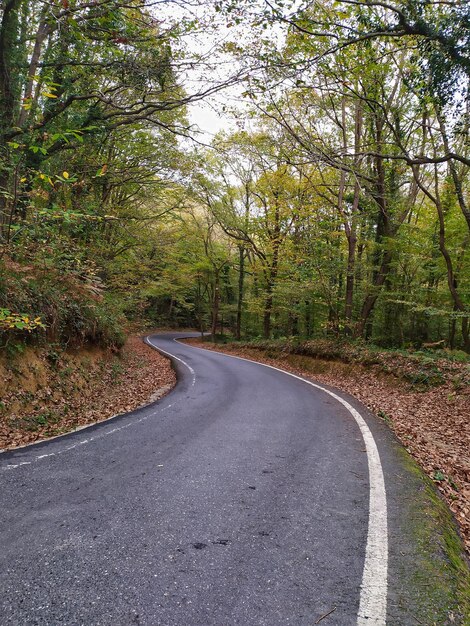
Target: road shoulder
{"x":429,"y":575}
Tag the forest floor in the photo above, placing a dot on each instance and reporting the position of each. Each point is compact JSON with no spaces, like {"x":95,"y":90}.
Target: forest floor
{"x":432,"y":422}
{"x":45,"y":393}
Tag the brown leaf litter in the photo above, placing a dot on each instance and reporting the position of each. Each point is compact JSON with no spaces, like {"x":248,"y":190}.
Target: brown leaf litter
{"x":44,"y":394}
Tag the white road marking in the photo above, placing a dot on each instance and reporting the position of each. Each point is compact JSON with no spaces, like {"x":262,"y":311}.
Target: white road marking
{"x":193,"y":373}
{"x":373,"y":598}
{"x":85,"y":441}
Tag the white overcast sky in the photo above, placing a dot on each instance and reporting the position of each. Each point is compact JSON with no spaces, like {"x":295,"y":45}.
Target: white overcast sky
{"x":209,"y":114}
{"x":203,"y":115}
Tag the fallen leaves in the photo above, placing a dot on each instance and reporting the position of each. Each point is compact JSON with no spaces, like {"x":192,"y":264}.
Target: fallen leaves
{"x":83,"y":391}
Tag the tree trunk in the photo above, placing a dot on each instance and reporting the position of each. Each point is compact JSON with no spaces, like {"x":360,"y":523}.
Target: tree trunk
{"x":215,"y":306}
{"x":371,"y":298}
{"x":43,"y":31}
{"x":451,"y":278}
{"x":352,"y":232}
{"x":8,"y":100}
{"x":293,"y":319}
{"x":273,"y":269}
{"x":348,"y":307}
{"x":453,"y":171}
{"x":381,"y":259}
{"x":308,"y":319}
{"x":268,"y":305}
{"x":241,"y":280}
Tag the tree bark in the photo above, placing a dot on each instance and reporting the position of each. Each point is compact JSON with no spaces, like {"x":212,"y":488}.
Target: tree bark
{"x":453,"y":170}
{"x":381,"y":259}
{"x":8,"y":76}
{"x":43,"y":31}
{"x":352,"y":233}
{"x":275,"y":236}
{"x":451,"y":278}
{"x":268,"y":305}
{"x":241,"y":280}
{"x":215,"y":306}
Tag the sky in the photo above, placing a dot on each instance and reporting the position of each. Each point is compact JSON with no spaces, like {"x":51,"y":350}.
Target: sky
{"x":204,"y":116}
{"x":211,"y":66}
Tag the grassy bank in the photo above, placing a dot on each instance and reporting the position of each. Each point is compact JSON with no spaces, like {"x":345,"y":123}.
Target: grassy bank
{"x":43,"y":304}
{"x":422,"y":369}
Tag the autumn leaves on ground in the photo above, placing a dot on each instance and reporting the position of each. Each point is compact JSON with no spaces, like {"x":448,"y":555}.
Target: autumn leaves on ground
{"x":425,"y":400}
{"x":48,"y":393}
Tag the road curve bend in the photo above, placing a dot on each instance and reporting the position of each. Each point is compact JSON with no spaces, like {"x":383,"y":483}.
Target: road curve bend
{"x":247,"y":496}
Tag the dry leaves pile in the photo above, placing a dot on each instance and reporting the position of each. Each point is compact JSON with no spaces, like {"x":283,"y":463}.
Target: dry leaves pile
{"x":434,"y":425}
{"x":42,"y":398}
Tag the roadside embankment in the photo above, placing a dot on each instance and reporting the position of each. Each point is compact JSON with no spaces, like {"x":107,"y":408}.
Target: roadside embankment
{"x":47,"y":391}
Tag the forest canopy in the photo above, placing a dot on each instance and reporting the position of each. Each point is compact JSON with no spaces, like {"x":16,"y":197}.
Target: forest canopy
{"x":336,"y":205}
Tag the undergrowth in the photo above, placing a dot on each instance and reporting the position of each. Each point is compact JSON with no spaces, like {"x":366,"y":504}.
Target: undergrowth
{"x":421,"y":369}
{"x":72,"y":310}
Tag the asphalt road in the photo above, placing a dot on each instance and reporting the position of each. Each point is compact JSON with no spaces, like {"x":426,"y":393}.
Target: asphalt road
{"x":243,"y":497}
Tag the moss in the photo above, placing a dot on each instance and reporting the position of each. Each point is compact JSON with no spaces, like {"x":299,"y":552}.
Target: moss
{"x":441,"y":577}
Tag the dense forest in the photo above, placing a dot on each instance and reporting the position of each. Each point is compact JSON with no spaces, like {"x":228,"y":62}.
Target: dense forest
{"x":337,"y":204}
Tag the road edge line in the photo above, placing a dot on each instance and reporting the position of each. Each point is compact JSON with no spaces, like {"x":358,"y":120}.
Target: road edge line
{"x":91,"y":425}
{"x":373,"y":596}
{"x":158,"y":349}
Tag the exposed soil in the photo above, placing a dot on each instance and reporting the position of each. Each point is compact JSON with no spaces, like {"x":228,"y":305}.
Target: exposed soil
{"x":47,"y":393}
{"x":432,"y":424}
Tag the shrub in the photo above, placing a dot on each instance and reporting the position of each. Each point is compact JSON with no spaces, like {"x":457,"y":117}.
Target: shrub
{"x":62,"y":307}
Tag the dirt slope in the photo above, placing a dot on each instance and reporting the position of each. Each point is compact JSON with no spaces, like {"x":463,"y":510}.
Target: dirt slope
{"x":47,"y":393}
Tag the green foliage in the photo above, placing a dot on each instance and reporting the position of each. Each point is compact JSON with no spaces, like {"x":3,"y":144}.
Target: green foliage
{"x":18,"y":321}
{"x":71,"y":313}
{"x":327,"y":220}
{"x":79,"y":158}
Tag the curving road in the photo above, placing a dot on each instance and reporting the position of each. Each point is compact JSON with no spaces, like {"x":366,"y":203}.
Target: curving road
{"x":246,"y":496}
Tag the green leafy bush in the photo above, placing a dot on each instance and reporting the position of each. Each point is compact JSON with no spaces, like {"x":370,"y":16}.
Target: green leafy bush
{"x":62,"y":306}
{"x":10,"y":321}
